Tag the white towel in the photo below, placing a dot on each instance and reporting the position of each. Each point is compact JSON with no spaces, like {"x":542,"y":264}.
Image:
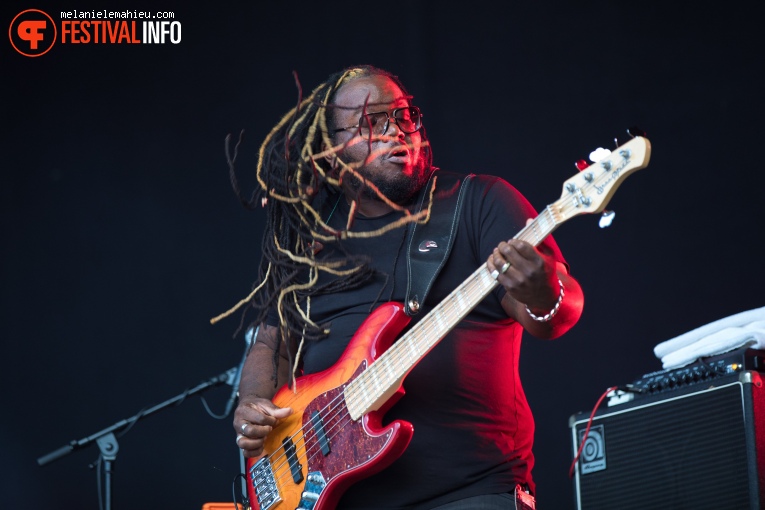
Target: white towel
{"x":726,"y":334}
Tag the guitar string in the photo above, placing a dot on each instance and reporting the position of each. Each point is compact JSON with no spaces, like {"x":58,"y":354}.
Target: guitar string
{"x":279,"y":455}
{"x":336,"y":420}
{"x":277,"y":462}
{"x":284,"y":462}
{"x":361,"y":380}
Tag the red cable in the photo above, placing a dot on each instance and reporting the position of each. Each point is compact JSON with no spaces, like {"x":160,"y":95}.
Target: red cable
{"x":587,"y":430}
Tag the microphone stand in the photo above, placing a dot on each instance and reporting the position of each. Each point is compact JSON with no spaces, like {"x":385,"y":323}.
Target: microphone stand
{"x":107,"y":441}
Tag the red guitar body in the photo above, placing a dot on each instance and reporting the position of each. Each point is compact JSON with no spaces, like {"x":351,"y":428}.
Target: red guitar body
{"x":323,"y":456}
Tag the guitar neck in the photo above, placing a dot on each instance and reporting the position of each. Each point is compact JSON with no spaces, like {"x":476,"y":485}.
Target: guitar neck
{"x":379,"y":382}
{"x":587,"y":192}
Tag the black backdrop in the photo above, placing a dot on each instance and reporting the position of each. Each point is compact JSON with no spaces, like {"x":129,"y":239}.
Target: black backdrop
{"x":121,"y":236}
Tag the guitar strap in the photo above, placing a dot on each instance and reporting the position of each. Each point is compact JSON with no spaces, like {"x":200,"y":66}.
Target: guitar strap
{"x":430,"y":243}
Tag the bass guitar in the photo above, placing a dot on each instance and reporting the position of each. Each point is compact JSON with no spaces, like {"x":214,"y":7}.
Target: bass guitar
{"x":335,"y":436}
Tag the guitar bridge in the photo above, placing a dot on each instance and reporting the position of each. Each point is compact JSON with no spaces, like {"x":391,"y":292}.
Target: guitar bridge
{"x":264,"y":483}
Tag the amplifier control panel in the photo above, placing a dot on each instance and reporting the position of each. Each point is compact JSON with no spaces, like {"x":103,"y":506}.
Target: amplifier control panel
{"x":703,"y":371}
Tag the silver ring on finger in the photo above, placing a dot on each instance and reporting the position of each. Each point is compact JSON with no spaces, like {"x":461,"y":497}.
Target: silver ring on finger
{"x":240,"y":436}
{"x":504,"y":267}
{"x":244,"y":426}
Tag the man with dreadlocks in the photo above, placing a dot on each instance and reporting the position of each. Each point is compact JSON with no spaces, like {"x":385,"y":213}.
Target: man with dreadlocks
{"x":347,"y":180}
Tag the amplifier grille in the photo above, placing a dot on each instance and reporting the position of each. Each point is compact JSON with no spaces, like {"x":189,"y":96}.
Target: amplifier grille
{"x":687,"y":452}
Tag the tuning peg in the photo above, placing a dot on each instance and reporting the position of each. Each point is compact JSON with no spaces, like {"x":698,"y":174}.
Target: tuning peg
{"x":636,"y":131}
{"x":581,"y":165}
{"x":606,"y":218}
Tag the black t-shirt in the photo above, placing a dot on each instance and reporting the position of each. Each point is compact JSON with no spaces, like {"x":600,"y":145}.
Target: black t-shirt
{"x":473,"y":429}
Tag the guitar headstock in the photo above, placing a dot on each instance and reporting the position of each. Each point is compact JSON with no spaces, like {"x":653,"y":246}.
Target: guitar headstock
{"x":591,"y":189}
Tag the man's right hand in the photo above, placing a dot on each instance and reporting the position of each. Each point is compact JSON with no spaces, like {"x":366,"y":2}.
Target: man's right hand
{"x":254,"y":419}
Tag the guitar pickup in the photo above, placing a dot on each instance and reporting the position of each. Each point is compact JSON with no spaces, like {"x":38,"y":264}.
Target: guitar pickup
{"x":295,"y":467}
{"x":321,"y":435}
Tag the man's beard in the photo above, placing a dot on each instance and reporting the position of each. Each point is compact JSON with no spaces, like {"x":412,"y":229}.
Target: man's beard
{"x":400,"y":189}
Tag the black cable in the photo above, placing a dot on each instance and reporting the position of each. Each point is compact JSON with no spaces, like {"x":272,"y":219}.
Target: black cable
{"x":245,"y":500}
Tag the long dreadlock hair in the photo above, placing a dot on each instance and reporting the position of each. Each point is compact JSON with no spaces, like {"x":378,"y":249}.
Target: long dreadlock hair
{"x":296,"y":182}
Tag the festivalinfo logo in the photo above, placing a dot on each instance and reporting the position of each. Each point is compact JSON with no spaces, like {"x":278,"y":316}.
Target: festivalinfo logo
{"x":34,"y":32}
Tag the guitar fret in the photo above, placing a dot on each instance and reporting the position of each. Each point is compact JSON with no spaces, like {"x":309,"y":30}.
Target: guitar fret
{"x":377,"y":387}
{"x":486,"y":279}
{"x":392,"y":376}
{"x":460,"y":300}
{"x":365,"y":392}
{"x":413,"y":349}
{"x":440,"y":320}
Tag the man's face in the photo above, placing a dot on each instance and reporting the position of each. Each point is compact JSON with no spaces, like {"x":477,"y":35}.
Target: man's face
{"x":393,"y":162}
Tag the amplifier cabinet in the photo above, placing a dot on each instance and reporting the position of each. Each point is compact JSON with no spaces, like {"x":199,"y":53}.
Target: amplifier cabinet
{"x":698,"y":448}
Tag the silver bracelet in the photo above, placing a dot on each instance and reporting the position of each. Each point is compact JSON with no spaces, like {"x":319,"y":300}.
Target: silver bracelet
{"x":551,"y":314}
